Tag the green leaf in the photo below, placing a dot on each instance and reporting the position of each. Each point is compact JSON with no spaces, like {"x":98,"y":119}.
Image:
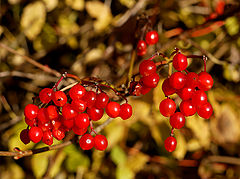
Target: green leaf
{"x":118,"y":156}
{"x":124,"y":172}
{"x":232,"y":25}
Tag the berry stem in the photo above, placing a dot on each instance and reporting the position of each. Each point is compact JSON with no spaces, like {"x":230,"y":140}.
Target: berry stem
{"x":57,"y":83}
{"x":172,"y":132}
{"x":92,"y":128}
{"x":204,"y":61}
{"x":176,"y":50}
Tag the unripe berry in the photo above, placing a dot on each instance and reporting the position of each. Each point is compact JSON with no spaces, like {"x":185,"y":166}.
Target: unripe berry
{"x":24,"y":136}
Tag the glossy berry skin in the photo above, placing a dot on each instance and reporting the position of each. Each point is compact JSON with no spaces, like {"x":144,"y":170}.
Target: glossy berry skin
{"x":86,"y":142}
{"x":90,"y":98}
{"x":113,"y":109}
{"x":137,"y":89}
{"x":79,"y":105}
{"x":167,"y":107}
{"x":77,"y":92}
{"x":167,"y":88}
{"x":47,"y":138}
{"x":56,"y":123}
{"x":24,"y":136}
{"x":79,"y":131}
{"x":59,"y":98}
{"x":199,"y":98}
{"x":35,"y":134}
{"x":45,"y":126}
{"x":82,"y":120}
{"x":95,"y":114}
{"x":180,"y":62}
{"x":151,"y":37}
{"x":125,"y":111}
{"x":205,"y":111}
{"x":191,"y":80}
{"x":177,"y":120}
{"x":100,"y":142}
{"x":31,"y":122}
{"x":68,"y":112}
{"x":187,"y":108}
{"x":31,"y":111}
{"x":141,"y":48}
{"x":185,"y":93}
{"x":69,"y":124}
{"x":59,"y":133}
{"x":43,"y":115}
{"x":170,"y":144}
{"x":147,"y":67}
{"x":52,"y":112}
{"x":150,"y":81}
{"x":205,"y":81}
{"x":177,"y":80}
{"x":45,"y":95}
{"x":102,"y":100}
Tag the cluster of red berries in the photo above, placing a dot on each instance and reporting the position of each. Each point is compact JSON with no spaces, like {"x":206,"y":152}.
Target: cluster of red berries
{"x":75,"y":110}
{"x":190,"y":87}
{"x":151,"y":39}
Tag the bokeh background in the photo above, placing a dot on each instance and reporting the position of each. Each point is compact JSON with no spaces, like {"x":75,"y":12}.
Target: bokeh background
{"x":98,"y":38}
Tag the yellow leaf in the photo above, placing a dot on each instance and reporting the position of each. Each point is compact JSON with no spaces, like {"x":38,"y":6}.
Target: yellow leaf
{"x":137,"y":162}
{"x":75,"y":4}
{"x":33,"y":19}
{"x":128,"y":3}
{"x":181,"y":148}
{"x":67,"y":23}
{"x":50,"y":4}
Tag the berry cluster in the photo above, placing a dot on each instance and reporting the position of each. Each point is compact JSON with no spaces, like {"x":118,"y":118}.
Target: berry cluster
{"x":75,"y":110}
{"x":190,"y":87}
{"x":151,"y":39}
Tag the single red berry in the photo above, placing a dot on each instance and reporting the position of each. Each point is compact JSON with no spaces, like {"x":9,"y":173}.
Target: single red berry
{"x":199,"y":98}
{"x":187,"y":108}
{"x":150,"y":81}
{"x":45,"y":95}
{"x":102,"y":100}
{"x":47,"y":138}
{"x":31,"y":111}
{"x":35,"y":134}
{"x":205,"y":111}
{"x":177,"y":120}
{"x":46,"y":126}
{"x":86,"y":142}
{"x":69,"y":124}
{"x":177,"y":80}
{"x":125,"y":111}
{"x":68,"y":111}
{"x":59,"y":98}
{"x":43,"y":115}
{"x":79,"y":131}
{"x":31,"y":122}
{"x":77,"y":92}
{"x":56,"y":123}
{"x":167,"y":107}
{"x":170,"y":144}
{"x":145,"y":90}
{"x":167,"y":88}
{"x":147,"y":67}
{"x":113,"y":109}
{"x":205,"y":81}
{"x":82,"y":120}
{"x":141,"y":48}
{"x":52,"y":112}
{"x":136,"y":89}
{"x":151,"y":37}
{"x":79,"y":105}
{"x":95,"y":114}
{"x":24,"y":136}
{"x":100,"y":142}
{"x":191,"y":80}
{"x":90,"y":98}
{"x":185,"y":93}
{"x":59,"y":133}
{"x":180,"y":62}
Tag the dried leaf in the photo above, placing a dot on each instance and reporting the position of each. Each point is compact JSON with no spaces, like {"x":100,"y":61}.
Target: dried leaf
{"x":75,"y":4}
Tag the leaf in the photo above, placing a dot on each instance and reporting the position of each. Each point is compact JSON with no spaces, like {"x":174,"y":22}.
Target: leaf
{"x":50,"y":4}
{"x":181,"y":148}
{"x":16,"y":171}
{"x":101,"y":12}
{"x":75,"y":4}
{"x":118,"y":156}
{"x":137,"y":162}
{"x":67,"y":23}
{"x":57,"y":165}
{"x":123,"y":172}
{"x":232,"y":25}
{"x":128,"y":3}
{"x":33,"y":19}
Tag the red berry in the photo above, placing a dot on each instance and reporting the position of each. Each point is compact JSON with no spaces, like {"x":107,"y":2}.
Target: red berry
{"x":101,"y":100}
{"x":45,"y":126}
{"x":86,"y":142}
{"x":24,"y":136}
{"x":90,"y":98}
{"x":68,"y":111}
{"x":113,"y":109}
{"x":95,"y":114}
{"x":191,"y":80}
{"x":125,"y":111}
{"x":187,"y":108}
{"x":150,"y":81}
{"x":170,"y":144}
{"x":35,"y":134}
{"x":177,"y":80}
{"x":137,"y":89}
{"x":141,"y":48}
{"x":77,"y":92}
{"x":185,"y":93}
{"x":100,"y":142}
{"x":43,"y":115}
{"x":180,"y":62}
{"x":79,"y":105}
{"x":199,"y":98}
{"x":59,"y":98}
{"x":52,"y":112}
{"x":151,"y":37}
{"x":177,"y":120}
{"x":167,"y":88}
{"x":205,"y":111}
{"x":31,"y":111}
{"x":69,"y":124}
{"x":167,"y":107}
{"x":45,"y":95}
{"x":47,"y":138}
{"x":79,"y":131}
{"x":56,"y":123}
{"x":82,"y":120}
{"x":147,"y":67}
{"x":59,"y":133}
{"x":205,"y":81}
{"x":31,"y":122}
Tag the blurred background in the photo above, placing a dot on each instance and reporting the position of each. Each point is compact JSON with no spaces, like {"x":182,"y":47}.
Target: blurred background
{"x":98,"y":38}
